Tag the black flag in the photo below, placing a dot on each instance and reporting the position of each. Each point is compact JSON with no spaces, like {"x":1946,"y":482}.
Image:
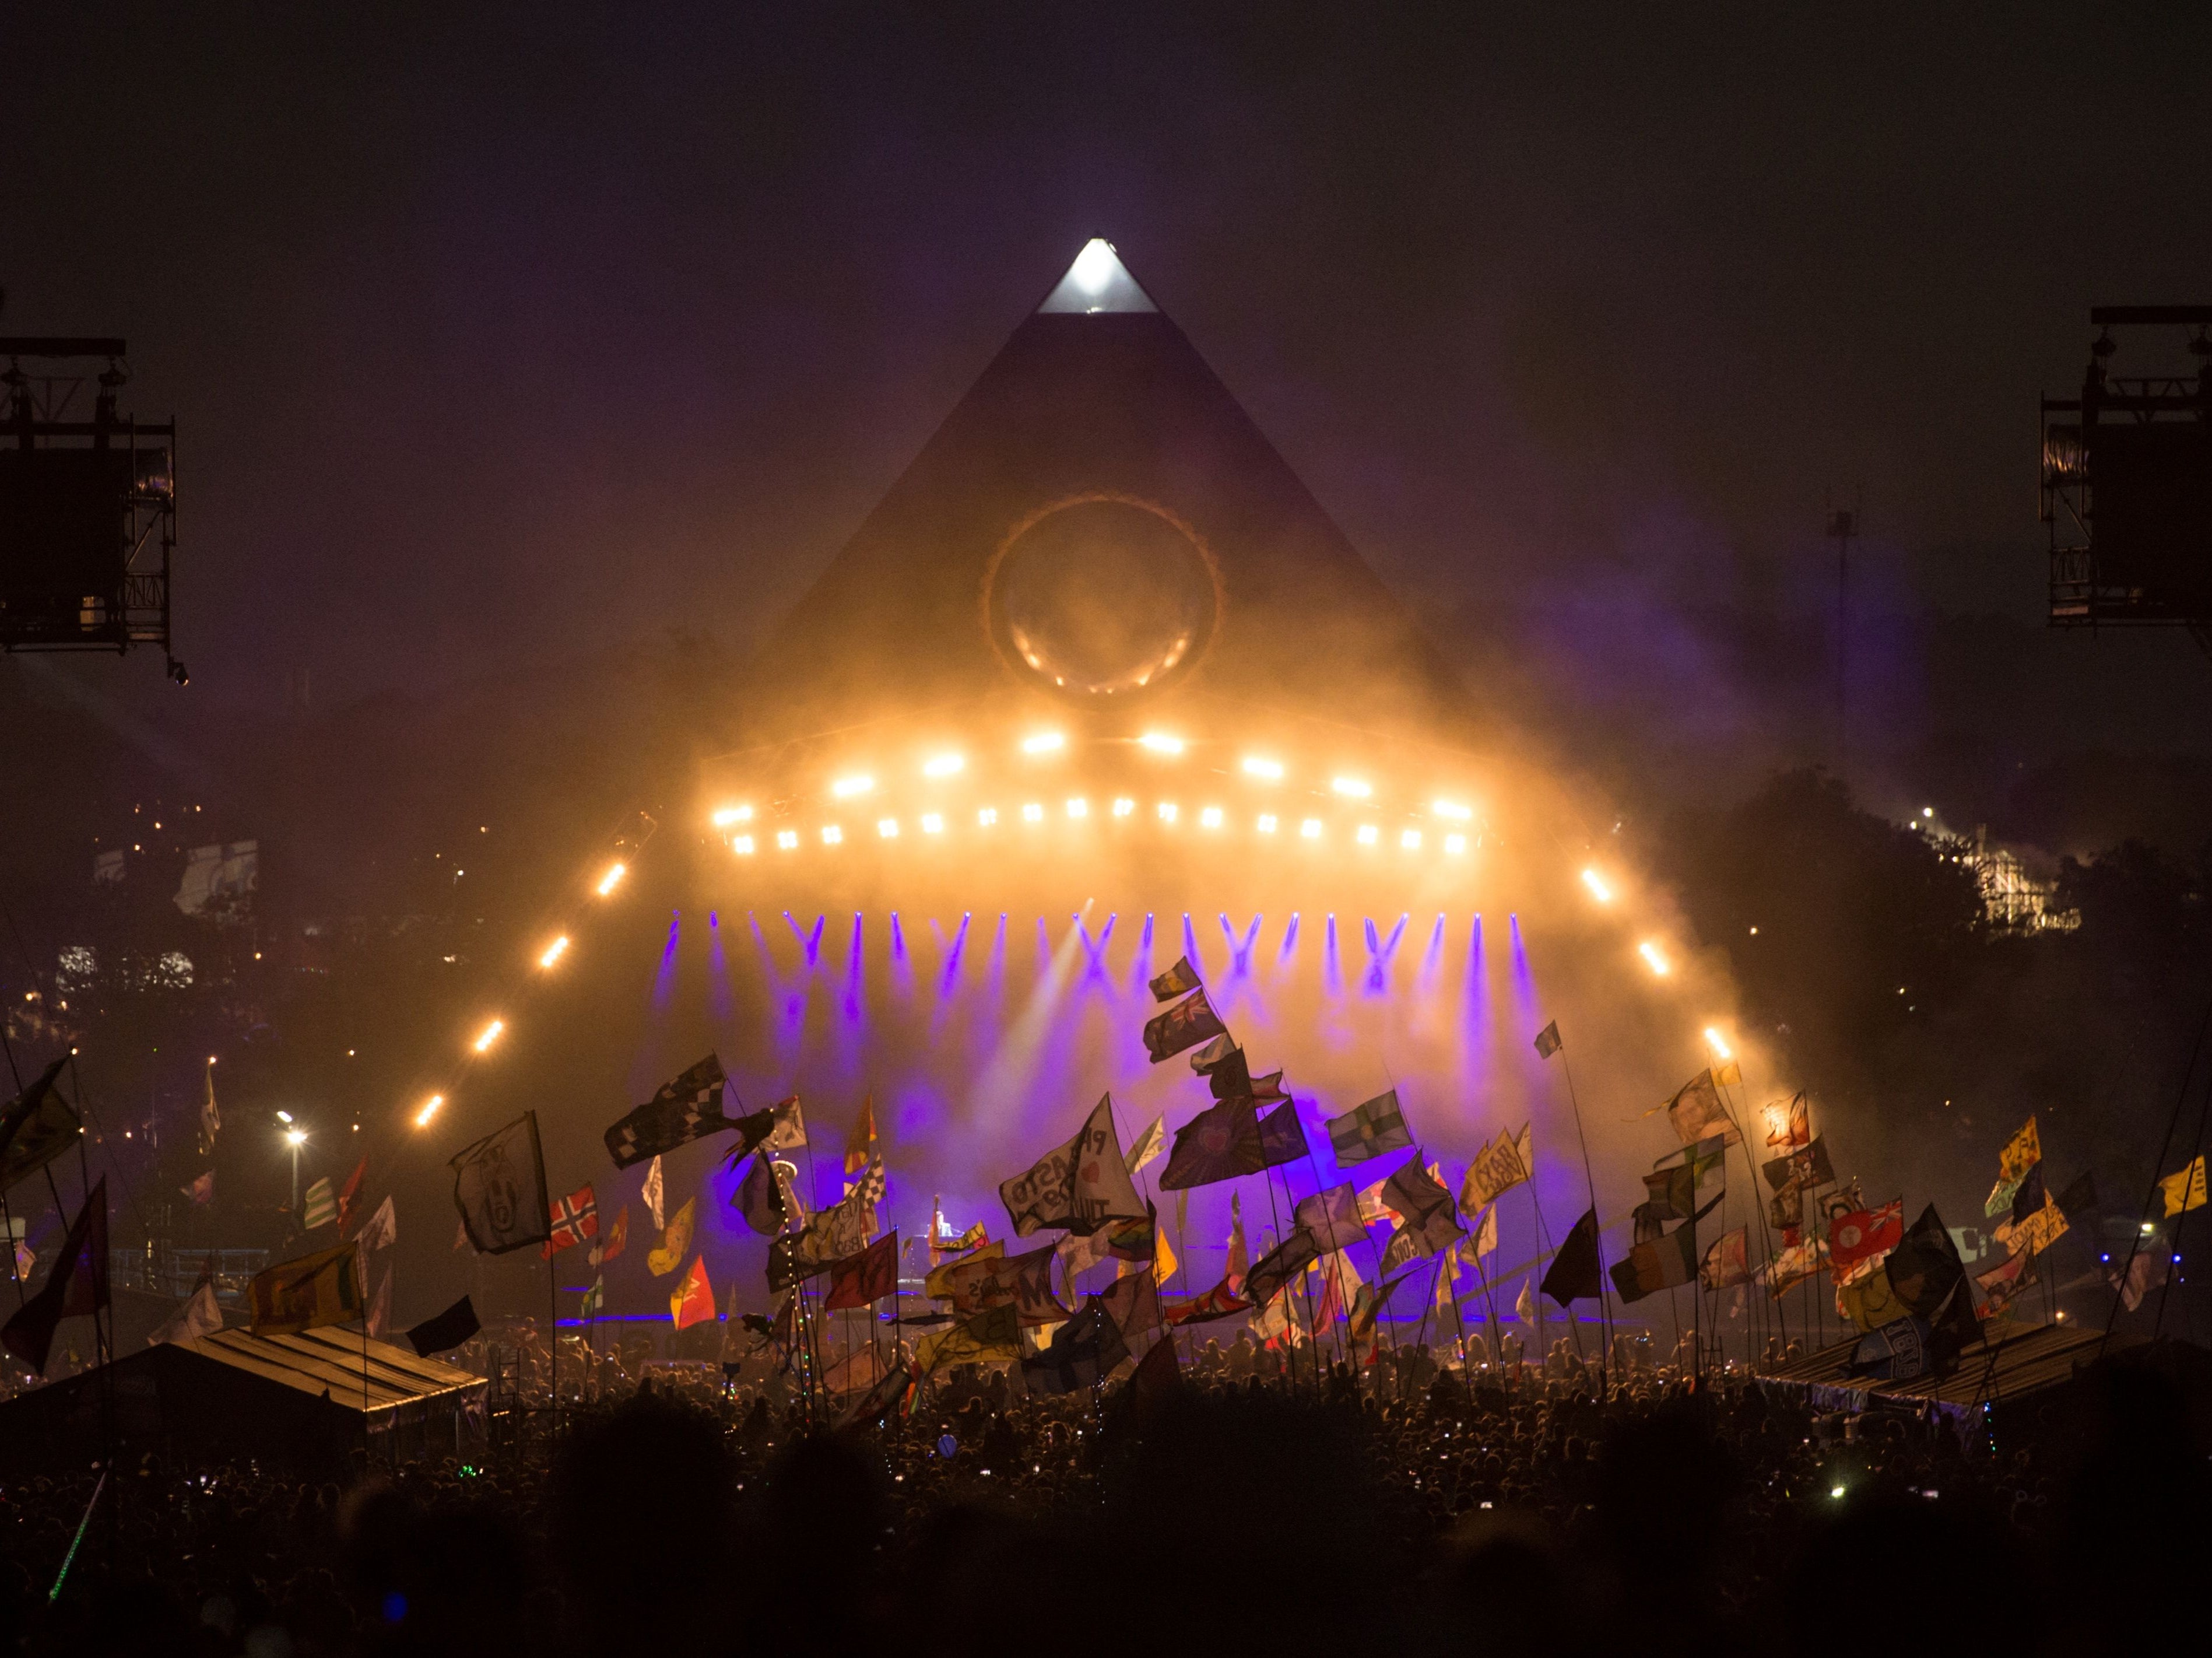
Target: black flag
{"x":1219,"y":1144}
{"x":686,"y":1109}
{"x":499,"y":1187}
{"x":1574,"y":1271}
{"x":1282,"y":1136}
{"x":759,"y":1198}
{"x":36,"y":1127}
{"x":1280,"y":1265}
{"x":448,"y":1330}
{"x":1185,"y":1025}
{"x":77,"y":1284}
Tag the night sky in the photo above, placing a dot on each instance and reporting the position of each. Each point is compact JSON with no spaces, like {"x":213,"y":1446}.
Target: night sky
{"x":500,"y":340}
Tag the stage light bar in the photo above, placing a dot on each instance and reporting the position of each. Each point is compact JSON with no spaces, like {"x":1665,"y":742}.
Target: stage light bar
{"x":1411,"y":840}
{"x":933,"y":823}
{"x":1078,"y":807}
{"x":1123,"y":806}
{"x":787,"y":839}
{"x":1655,"y":958}
{"x":490,"y":1035}
{"x":1455,"y":844}
{"x":1167,"y":811}
{"x":1310,"y":829}
{"x":1033,"y":813}
{"x":1256,"y":767}
{"x":1720,"y":1048}
{"x":942,"y":765}
{"x":554,"y":951}
{"x":1265,"y":826}
{"x":612,"y":878}
{"x":1210,"y":818}
{"x":1368,"y":835}
{"x":742,"y":845}
{"x":1452,"y":809}
{"x":1598,"y":889}
{"x":726,"y":815}
{"x":1045,"y":742}
{"x":1350,"y":788}
{"x":887,"y":827}
{"x":1160,"y":743}
{"x":986,"y":816}
{"x":429,"y":1109}
{"x":833,"y":834}
{"x":847,"y":787}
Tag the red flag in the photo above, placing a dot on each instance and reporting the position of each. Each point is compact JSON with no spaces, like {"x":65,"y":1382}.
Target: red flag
{"x":1157,"y":1373}
{"x":863,"y":1279}
{"x":1219,"y":1302}
{"x":1862,"y":1234}
{"x":617,"y":1236}
{"x":573,"y":1218}
{"x":862,"y":1144}
{"x":694,"y":1299}
{"x":352,"y":1190}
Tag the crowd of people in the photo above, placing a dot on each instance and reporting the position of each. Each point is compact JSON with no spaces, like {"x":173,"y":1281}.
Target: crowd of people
{"x":1316,"y":1507}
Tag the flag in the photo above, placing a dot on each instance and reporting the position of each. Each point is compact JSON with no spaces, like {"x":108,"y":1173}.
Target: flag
{"x":1524,"y":1306}
{"x":1148,"y":1144}
{"x":1423,"y":1235}
{"x":1807,"y":1166}
{"x":379,"y":1306}
{"x":1663,"y":1264}
{"x":2021,"y":1153}
{"x":382,"y":1229}
{"x":861,"y":1368}
{"x":1240,"y":1252}
{"x":1895,"y":1352}
{"x":651,"y":1193}
{"x":2032,"y":1196}
{"x":1078,"y":1186}
{"x":687,"y":1109}
{"x":200,"y":1315}
{"x":1126,"y":1240}
{"x":1280,"y":1265}
{"x":1332,"y":1216}
{"x":1222,"y":1302}
{"x":1219,"y":1144}
{"x":1416,"y":1193}
{"x":1185,"y":1025}
{"x":573,"y":1219}
{"x":315,"y":1290}
{"x":1727,"y":1261}
{"x":1498,"y":1169}
{"x":1486,"y":1238}
{"x":675,"y":1243}
{"x":1574,"y":1271}
{"x":990,"y":1278}
{"x":996,"y":1334}
{"x":1083,"y":1352}
{"x":78,"y":1284}
{"x":2001,"y":1283}
{"x":1134,"y":1303}
{"x":760,"y":1197}
{"x":1164,"y":1259}
{"x":36,"y":1127}
{"x":210,"y":1118}
{"x":1178,"y":980}
{"x":1701,"y":1170}
{"x":2147,"y":1271}
{"x":349,"y":1191}
{"x":1928,"y":1280}
{"x":1215,"y":1054}
{"x":614,"y":1241}
{"x":1547,"y":1040}
{"x":1728,"y":1074}
{"x":321,"y":1206}
{"x":1282,"y":1136}
{"x":1999,"y":1201}
{"x":842,"y":1229}
{"x":1788,"y":1125}
{"x":1273,"y":1324}
{"x":788,"y":1130}
{"x":1369,"y":1130}
{"x":2080,"y":1197}
{"x":1158,"y":1374}
{"x":1785,"y":1210}
{"x":1696,"y":1111}
{"x":595,"y":1299}
{"x":880,"y":1400}
{"x":694,"y":1299}
{"x":862,"y":1280}
{"x":860,"y":1144}
{"x":947,"y":1283}
{"x":1796,"y":1263}
{"x":461,"y":1234}
{"x":2185,"y":1191}
{"x":2036,"y":1233}
{"x":499,"y":1187}
{"x":1367,"y":1304}
{"x":202,"y":1190}
{"x":1331,"y":1307}
{"x":1864,"y":1234}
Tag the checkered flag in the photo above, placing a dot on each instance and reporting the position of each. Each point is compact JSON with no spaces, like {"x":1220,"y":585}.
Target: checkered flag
{"x":684,"y":1110}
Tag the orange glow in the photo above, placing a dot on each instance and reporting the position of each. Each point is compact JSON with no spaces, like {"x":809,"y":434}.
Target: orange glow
{"x":554,"y":951}
{"x":1160,"y":743}
{"x":742,"y":846}
{"x":1352,"y":788}
{"x":612,"y":878}
{"x":491,"y":1033}
{"x":1256,"y":767}
{"x":847,"y":787}
{"x":429,"y":1109}
{"x":726,"y":815}
{"x":1598,"y":889}
{"x":942,"y":765}
{"x":1655,"y":958}
{"x":1045,"y":742}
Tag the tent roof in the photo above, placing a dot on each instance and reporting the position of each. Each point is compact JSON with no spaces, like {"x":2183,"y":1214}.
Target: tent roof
{"x":331,"y":1362}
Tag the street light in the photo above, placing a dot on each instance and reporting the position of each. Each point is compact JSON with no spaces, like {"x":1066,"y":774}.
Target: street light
{"x":295,"y":1137}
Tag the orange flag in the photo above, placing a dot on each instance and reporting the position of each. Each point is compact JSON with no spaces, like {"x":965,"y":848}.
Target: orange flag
{"x":862,"y":1145}
{"x":694,"y":1302}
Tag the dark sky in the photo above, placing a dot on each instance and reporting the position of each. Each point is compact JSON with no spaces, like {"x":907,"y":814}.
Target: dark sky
{"x":503,"y":336}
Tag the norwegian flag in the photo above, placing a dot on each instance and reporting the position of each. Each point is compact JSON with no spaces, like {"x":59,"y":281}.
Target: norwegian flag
{"x":574,"y":1218}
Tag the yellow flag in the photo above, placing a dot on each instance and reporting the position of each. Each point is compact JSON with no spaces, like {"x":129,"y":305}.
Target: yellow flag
{"x":674,"y":1243}
{"x":2185,"y":1191}
{"x":1730,"y":1076}
{"x":1871,"y":1302}
{"x":308,"y":1293}
{"x":2034,"y":1234}
{"x":2021,"y":1153}
{"x":1164,"y":1257}
{"x":943,"y":1280}
{"x":996,"y":1334}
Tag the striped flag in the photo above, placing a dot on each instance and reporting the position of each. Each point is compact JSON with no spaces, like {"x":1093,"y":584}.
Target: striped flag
{"x":321,"y":1207}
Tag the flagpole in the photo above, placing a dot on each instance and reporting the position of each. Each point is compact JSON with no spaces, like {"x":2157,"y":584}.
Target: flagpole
{"x":1604,"y":1301}
{"x":1758,"y":1201}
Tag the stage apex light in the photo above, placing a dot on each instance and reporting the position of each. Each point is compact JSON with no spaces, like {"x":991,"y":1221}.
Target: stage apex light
{"x":1160,"y":743}
{"x":726,"y":815}
{"x":1167,"y":811}
{"x":1123,"y":806}
{"x":1078,"y":807}
{"x":490,"y":1035}
{"x":1210,"y":818}
{"x":1368,"y":835}
{"x":942,"y":765}
{"x":1310,"y":828}
{"x":1256,"y":767}
{"x":1720,"y":1048}
{"x":1655,"y":958}
{"x":1045,"y":742}
{"x":787,"y":839}
{"x":1455,"y":844}
{"x":1033,"y":813}
{"x":847,"y":787}
{"x":986,"y":816}
{"x":933,"y":823}
{"x":832,"y":835}
{"x":554,"y":951}
{"x":887,"y":827}
{"x":612,"y":878}
{"x":1266,"y":824}
{"x":429,"y":1109}
{"x":742,"y":845}
{"x":1352,"y":788}
{"x":1598,"y":889}
{"x":1411,"y":840}
{"x":1452,"y":809}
